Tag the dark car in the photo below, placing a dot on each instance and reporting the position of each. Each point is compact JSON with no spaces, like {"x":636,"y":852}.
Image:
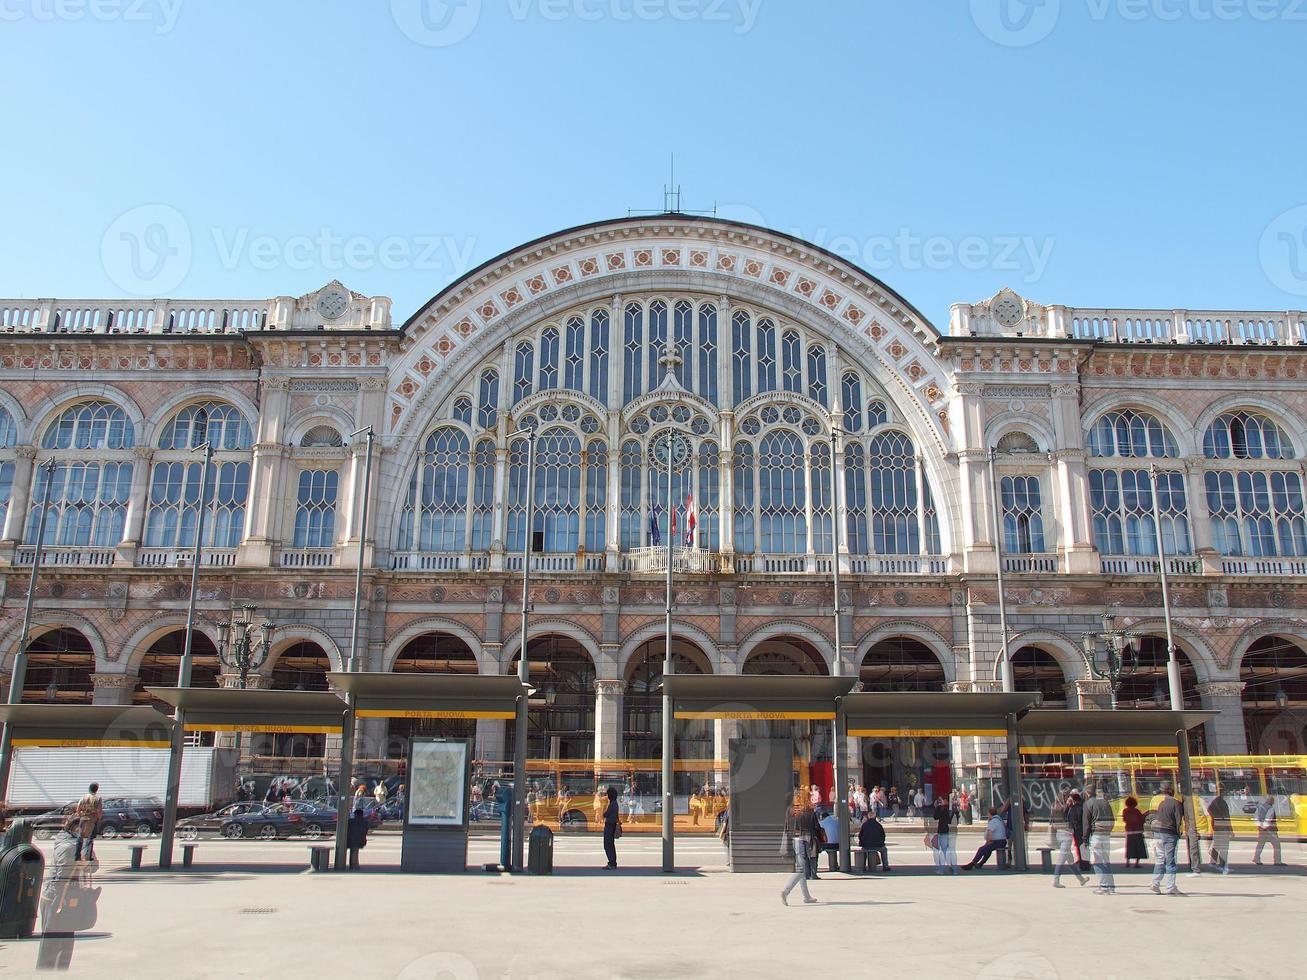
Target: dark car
{"x":191,"y":827}
{"x":137,"y":816}
{"x":297,"y":819}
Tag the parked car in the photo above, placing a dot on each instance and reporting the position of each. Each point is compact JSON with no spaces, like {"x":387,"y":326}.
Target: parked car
{"x":299,"y":819}
{"x":191,"y":827}
{"x":137,"y":816}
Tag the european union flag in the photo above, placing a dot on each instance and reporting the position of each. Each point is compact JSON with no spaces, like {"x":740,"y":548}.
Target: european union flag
{"x":655,"y":535}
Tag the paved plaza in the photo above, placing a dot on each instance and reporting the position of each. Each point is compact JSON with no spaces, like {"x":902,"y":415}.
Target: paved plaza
{"x":251,"y":909}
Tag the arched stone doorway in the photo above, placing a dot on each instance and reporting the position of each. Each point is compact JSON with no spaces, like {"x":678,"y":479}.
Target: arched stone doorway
{"x":561,"y":712}
{"x":1274,"y":675}
{"x":302,"y":666}
{"x":901,"y":663}
{"x":1035,"y":669}
{"x":813,"y":740}
{"x":431,"y":653}
{"x":163,"y":659}
{"x":903,"y":765}
{"x":60,"y":663}
{"x":1144,"y":683}
{"x":642,"y":703}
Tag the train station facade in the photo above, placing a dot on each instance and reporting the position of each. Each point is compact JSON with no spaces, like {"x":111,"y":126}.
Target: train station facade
{"x":1048,"y":424}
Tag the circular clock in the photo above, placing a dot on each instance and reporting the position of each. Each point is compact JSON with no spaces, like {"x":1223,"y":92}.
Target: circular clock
{"x":1008,"y":311}
{"x":669,"y":443}
{"x":333,"y":303}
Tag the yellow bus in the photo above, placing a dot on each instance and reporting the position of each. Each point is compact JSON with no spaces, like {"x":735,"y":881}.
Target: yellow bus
{"x":1243,"y":781}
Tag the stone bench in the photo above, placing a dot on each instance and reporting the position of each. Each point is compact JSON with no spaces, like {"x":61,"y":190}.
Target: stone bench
{"x":319,"y":857}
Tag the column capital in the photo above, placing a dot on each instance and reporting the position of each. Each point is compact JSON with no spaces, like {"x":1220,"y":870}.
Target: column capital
{"x":1221,"y":689}
{"x":253,"y":682}
{"x":609,"y":688}
{"x":113,"y":682}
{"x":25,"y":452}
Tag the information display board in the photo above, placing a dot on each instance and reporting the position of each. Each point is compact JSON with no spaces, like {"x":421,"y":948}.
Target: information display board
{"x":437,"y":783}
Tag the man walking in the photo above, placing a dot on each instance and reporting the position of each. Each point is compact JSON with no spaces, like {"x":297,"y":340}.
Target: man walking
{"x":1168,"y":820}
{"x":1267,"y":831}
{"x":946,"y":855}
{"x":1099,"y":822}
{"x":800,"y":827}
{"x":1065,"y":820}
{"x":89,"y":812}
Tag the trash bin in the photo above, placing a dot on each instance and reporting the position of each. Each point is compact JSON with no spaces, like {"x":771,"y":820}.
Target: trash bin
{"x":540,"y":851}
{"x":22,"y":870}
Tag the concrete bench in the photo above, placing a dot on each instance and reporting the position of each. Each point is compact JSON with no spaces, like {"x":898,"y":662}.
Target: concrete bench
{"x":865,"y":861}
{"x":319,"y":857}
{"x":188,"y":855}
{"x":138,"y":852}
{"x":1045,"y":859}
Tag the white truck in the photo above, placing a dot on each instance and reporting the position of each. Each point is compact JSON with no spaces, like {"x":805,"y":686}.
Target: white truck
{"x":46,"y":777}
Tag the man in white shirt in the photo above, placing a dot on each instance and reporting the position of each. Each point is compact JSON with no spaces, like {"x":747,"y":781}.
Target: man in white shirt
{"x":995,"y":840}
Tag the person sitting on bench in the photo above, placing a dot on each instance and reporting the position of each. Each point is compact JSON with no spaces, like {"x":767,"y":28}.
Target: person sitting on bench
{"x":995,"y":840}
{"x":830,"y":829}
{"x":871,"y":838}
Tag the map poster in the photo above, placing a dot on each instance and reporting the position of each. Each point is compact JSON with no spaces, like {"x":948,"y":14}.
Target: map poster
{"x":437,"y":783}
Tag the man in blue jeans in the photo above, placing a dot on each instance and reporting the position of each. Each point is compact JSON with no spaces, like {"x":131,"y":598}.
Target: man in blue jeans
{"x":1168,"y":821}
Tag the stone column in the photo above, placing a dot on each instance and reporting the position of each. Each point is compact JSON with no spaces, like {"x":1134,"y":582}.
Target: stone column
{"x":491,"y":740}
{"x":265,"y":503}
{"x":1091,"y":694}
{"x":1226,"y":734}
{"x":16,"y":515}
{"x":608,"y":719}
{"x":113,"y":688}
{"x":134,"y":525}
{"x":499,"y":531}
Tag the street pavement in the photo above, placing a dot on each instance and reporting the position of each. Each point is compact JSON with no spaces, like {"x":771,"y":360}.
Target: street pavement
{"x":251,"y":909}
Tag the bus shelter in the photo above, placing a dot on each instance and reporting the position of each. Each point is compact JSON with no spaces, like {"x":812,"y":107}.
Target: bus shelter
{"x":231,"y":709}
{"x":137,"y":726}
{"x":1051,"y":732}
{"x":916,"y":714}
{"x":387,"y":695}
{"x":760,"y":767}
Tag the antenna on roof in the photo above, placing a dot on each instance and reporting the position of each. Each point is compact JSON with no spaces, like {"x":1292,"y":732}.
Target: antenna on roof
{"x":671,"y":197}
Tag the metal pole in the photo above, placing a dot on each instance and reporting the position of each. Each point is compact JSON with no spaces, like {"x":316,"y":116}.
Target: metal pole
{"x":839,"y":743}
{"x":669,"y":796}
{"x":1190,"y":810}
{"x":343,"y":800}
{"x":1016,"y":801}
{"x":18,"y":678}
{"x":523,"y":667}
{"x":1005,"y":662}
{"x":173,"y":788}
{"x":1172,"y":663}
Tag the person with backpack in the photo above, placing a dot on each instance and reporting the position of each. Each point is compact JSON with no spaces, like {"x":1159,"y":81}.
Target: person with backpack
{"x":356,"y":836}
{"x":89,"y":810}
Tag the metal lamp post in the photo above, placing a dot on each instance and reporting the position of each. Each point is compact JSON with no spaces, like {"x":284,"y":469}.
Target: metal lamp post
{"x":1116,"y":659}
{"x":523,"y":666}
{"x":1005,"y":661}
{"x":1172,"y":661}
{"x":838,"y":747}
{"x":236,"y":650}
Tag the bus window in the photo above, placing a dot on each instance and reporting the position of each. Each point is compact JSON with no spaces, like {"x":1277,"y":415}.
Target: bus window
{"x":1287,"y":782}
{"x":1240,"y":784}
{"x":1148,"y":784}
{"x":1204,"y":782}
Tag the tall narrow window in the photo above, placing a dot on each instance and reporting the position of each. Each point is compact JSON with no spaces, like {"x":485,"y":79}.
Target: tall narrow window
{"x":791,"y":362}
{"x":1243,"y":435}
{"x":558,"y":490}
{"x":1023,"y":522}
{"x":516,"y":507}
{"x":8,"y":439}
{"x":683,"y":336}
{"x":488,"y":399}
{"x":708,"y":352}
{"x":851,"y":397}
{"x":596,"y":496}
{"x":223,"y":426}
{"x":523,"y":361}
{"x":88,"y":504}
{"x":817,"y":389}
{"x":599,"y":356}
{"x":548,"y":358}
{"x":893,"y":495}
{"x":782,"y":494}
{"x":707,"y":502}
{"x":574,"y":363}
{"x":766,"y":355}
{"x":745,"y":541}
{"x":741,"y":359}
{"x":435,"y":510}
{"x":933,"y":546}
{"x":463,"y":410}
{"x":1257,"y":512}
{"x":633,"y":353}
{"x":657,"y":342}
{"x":855,"y":498}
{"x":819,"y":466}
{"x":315,"y":511}
{"x":483,"y":496}
{"x":631,"y":525}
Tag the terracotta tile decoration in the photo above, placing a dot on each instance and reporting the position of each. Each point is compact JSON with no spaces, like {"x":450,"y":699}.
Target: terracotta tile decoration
{"x":561,"y":275}
{"x":671,"y":256}
{"x":536,"y":284}
{"x":752,"y":267}
{"x":853,"y":314}
{"x":615,"y":261}
{"x":830,"y":299}
{"x":511,"y":297}
{"x":698,"y":258}
{"x":779,"y":276}
{"x":805,"y":287}
{"x":643,"y":257}
{"x":465,"y":327}
{"x":726,"y":263}
{"x":589,"y":266}
{"x":488,"y":310}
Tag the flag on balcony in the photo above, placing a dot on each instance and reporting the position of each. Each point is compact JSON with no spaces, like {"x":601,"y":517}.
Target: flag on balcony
{"x":673,"y":527}
{"x":655,"y":536}
{"x":691,"y":523}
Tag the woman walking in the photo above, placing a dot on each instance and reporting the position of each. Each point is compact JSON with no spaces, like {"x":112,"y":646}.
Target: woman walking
{"x":1133,"y":818}
{"x":611,"y":828}
{"x":800,"y":827}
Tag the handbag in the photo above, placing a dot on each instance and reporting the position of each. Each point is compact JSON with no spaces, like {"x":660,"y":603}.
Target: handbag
{"x":931,"y":841}
{"x":617,"y":831}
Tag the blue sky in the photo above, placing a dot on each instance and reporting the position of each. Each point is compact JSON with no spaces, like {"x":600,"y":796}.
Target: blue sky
{"x":1141,"y":153}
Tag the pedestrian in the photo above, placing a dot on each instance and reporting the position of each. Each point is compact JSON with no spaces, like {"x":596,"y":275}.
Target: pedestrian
{"x":612,"y":828}
{"x":1064,"y":821}
{"x":68,"y":903}
{"x":270,"y":794}
{"x":90,"y":809}
{"x":895,"y":802}
{"x":946,"y":855}
{"x":1168,"y":821}
{"x":1099,"y":821}
{"x":995,"y":840}
{"x":814,"y":796}
{"x":919,"y":802}
{"x":871,"y":838}
{"x":1218,"y":814}
{"x":800,"y":828}
{"x":379,"y":792}
{"x":1267,"y":831}
{"x":1133,"y":820}
{"x":861,"y":802}
{"x":964,"y":803}
{"x":356,"y":836}
{"x":830,"y":833}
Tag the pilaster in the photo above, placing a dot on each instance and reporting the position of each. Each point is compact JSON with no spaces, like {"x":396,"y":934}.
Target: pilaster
{"x":113,"y":688}
{"x":1226,"y":734}
{"x":608,"y":719}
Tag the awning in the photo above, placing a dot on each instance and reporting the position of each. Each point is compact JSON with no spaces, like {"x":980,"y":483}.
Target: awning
{"x":1133,"y":730}
{"x":924,"y":714}
{"x":232,"y":709}
{"x":88,"y":725}
{"x":697,"y":697}
{"x":385,"y":695}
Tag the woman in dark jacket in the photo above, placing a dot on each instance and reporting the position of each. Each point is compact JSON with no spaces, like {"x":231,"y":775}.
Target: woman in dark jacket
{"x":1133,"y":818}
{"x":611,"y":814}
{"x":356,"y":836}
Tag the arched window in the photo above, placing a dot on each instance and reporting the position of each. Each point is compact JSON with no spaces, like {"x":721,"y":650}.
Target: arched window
{"x":683,"y":336}
{"x":434,"y":517}
{"x":88,"y":504}
{"x":177,"y":476}
{"x":8,"y":439}
{"x":488,"y":399}
{"x":855,"y":497}
{"x":463,"y":410}
{"x":91,"y":425}
{"x":742,"y":478}
{"x":315,"y":513}
{"x":894,"y":527}
{"x":596,"y":495}
{"x":1034,"y":669}
{"x":877,"y":413}
{"x":633,"y":353}
{"x":657,"y":342}
{"x":851,"y":398}
{"x":707,"y":353}
{"x":483,"y":496}
{"x":574,"y":361}
{"x":817,"y":390}
{"x":548,"y":359}
{"x":791,"y":362}
{"x":322,"y":437}
{"x":631,"y":529}
{"x":523,"y":361}
{"x":1023,"y":522}
{"x":741,"y":358}
{"x":766,"y":355}
{"x":557,"y":496}
{"x":782,"y":494}
{"x":708,"y":502}
{"x":1255,"y":511}
{"x":819,"y":465}
{"x":599,"y":356}
{"x":1121,"y":490}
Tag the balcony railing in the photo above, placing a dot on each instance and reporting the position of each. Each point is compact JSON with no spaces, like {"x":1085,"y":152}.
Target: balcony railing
{"x":307,"y":558}
{"x":899,"y":565}
{"x":1264,"y":566}
{"x":1176,"y":565}
{"x":690,"y":561}
{"x":1038,"y":564}
{"x":116,"y":316}
{"x":1127,"y":326}
{"x":66,"y":557}
{"x":181,"y":558}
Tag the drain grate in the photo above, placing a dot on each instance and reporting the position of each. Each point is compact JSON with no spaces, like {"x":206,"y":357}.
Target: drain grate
{"x":258,"y":911}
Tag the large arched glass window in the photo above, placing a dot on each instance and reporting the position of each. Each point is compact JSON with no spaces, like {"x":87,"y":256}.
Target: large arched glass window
{"x":817,"y":390}
{"x":707,"y":353}
{"x":1256,"y":510}
{"x":574,"y":359}
{"x":631,"y":527}
{"x":683,"y":337}
{"x":708,"y":502}
{"x":177,"y":477}
{"x":557,"y":485}
{"x":1023,"y":520}
{"x":742,"y":478}
{"x":657,"y":342}
{"x":1121,"y":489}
{"x":894,"y":517}
{"x":596,"y":495}
{"x":766,"y":355}
{"x":523,"y":361}
{"x":633,"y":353}
{"x":91,"y":425}
{"x":782,"y":494}
{"x":315,"y":512}
{"x":8,"y":439}
{"x":791,"y":362}
{"x":548,"y":359}
{"x":855,"y":497}
{"x":434,"y":517}
{"x":851,"y":396}
{"x":741,"y":356}
{"x":819,"y":466}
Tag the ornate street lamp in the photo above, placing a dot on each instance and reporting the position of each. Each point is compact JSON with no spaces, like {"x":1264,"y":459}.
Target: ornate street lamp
{"x":1117,"y":654}
{"x":236,"y":650}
